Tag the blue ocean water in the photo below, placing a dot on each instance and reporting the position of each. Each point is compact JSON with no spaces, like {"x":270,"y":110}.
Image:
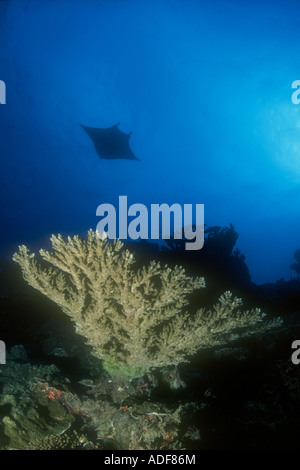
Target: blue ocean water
{"x":204,"y":86}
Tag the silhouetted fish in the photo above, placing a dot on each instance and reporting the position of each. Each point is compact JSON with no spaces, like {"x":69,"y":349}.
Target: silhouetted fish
{"x":111,"y":143}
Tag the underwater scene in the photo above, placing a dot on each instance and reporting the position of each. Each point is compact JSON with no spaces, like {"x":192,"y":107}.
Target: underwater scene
{"x":150,"y":226}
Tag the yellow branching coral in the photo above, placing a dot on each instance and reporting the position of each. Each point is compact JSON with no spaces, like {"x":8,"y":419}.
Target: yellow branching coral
{"x":135,"y":320}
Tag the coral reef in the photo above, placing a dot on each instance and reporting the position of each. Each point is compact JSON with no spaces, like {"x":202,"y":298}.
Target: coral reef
{"x":39,"y":410}
{"x":296,"y":266}
{"x":134,"y":319}
{"x":26,"y":413}
{"x":218,"y":259}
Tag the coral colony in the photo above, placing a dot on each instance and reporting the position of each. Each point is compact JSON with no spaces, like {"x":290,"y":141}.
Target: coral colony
{"x":135,"y":320}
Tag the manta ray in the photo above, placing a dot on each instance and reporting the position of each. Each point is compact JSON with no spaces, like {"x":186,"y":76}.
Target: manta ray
{"x":111,"y":143}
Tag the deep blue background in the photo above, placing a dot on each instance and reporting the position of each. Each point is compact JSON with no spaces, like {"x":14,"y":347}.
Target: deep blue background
{"x":205,"y":86}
